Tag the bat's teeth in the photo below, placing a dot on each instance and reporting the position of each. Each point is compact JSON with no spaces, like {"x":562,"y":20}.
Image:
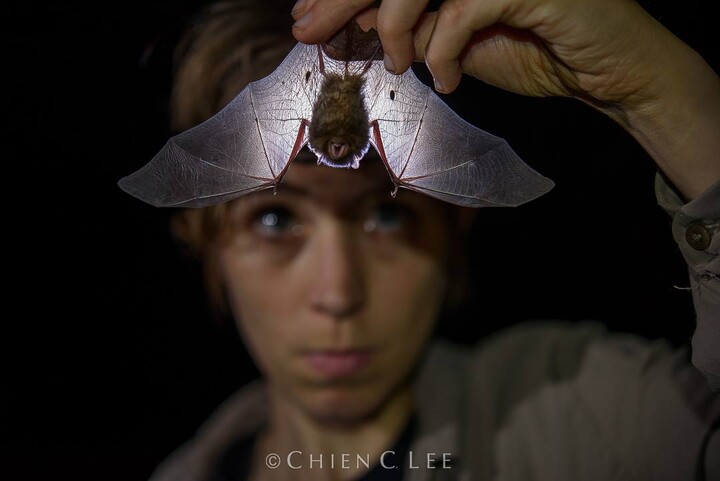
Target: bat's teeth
{"x":337,"y":150}
{"x":348,"y":162}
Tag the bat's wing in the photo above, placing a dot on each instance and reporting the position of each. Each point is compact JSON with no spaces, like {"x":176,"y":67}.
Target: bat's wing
{"x":430,"y":149}
{"x":245,"y":147}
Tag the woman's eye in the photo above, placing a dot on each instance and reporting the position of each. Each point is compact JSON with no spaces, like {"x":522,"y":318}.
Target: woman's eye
{"x":275,"y":222}
{"x":387,"y":218}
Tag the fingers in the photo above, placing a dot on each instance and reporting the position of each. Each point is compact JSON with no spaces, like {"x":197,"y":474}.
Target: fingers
{"x":407,"y":33}
{"x":317,"y":20}
{"x":395,"y":22}
{"x":456,"y":22}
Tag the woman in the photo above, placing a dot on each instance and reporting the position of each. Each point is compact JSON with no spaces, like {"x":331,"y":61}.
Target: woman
{"x":350,"y":386}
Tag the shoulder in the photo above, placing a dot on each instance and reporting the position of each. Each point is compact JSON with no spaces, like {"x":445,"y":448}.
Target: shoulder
{"x":599,"y":365}
{"x":567,"y":396}
{"x":535,"y":353}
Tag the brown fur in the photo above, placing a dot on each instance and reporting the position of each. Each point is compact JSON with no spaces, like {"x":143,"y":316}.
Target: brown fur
{"x":339,"y":111}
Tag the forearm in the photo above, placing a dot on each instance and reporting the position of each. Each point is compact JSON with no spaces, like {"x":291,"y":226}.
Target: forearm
{"x":679,"y":124}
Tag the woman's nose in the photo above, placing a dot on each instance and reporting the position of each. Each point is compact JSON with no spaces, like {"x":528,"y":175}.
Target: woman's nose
{"x":338,"y":278}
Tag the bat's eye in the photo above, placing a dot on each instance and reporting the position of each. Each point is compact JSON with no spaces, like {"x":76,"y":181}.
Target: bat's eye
{"x":392,"y":95}
{"x":307,"y":76}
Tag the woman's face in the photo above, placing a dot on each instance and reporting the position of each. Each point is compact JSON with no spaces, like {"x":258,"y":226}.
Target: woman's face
{"x":336,"y":285}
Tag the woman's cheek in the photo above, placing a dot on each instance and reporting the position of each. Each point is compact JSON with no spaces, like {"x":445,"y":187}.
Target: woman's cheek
{"x":254,"y":299}
{"x":410,"y":289}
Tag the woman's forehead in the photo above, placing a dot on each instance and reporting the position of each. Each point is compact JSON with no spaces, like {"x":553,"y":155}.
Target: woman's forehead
{"x":337,"y":185}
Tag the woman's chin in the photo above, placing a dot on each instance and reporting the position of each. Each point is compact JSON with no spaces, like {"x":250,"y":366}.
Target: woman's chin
{"x":342,"y":407}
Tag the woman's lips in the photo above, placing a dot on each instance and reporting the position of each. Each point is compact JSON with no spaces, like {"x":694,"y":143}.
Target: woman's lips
{"x":339,"y":363}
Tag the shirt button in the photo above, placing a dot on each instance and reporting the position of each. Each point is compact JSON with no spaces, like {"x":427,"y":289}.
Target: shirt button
{"x":698,"y":236}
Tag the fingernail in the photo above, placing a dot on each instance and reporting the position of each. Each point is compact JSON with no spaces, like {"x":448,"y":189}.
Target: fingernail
{"x":438,"y":86}
{"x":304,"y":21}
{"x":298,"y":7}
{"x":389,"y":64}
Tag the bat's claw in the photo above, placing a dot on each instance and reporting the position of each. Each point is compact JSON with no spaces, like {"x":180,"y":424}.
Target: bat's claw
{"x":394,"y":192}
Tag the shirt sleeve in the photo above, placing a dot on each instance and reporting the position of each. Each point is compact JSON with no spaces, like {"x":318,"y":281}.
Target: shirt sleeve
{"x":696,"y":229}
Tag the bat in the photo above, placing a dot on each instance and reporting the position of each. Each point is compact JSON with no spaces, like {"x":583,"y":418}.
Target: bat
{"x":338,"y":99}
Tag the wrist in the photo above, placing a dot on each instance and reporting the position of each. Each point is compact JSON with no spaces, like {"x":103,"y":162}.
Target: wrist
{"x":677,"y":118}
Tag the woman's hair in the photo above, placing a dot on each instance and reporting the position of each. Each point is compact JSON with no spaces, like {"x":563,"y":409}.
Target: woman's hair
{"x":230,"y":44}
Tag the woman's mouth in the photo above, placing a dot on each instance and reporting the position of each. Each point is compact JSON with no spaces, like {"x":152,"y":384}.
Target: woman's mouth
{"x":338,"y":363}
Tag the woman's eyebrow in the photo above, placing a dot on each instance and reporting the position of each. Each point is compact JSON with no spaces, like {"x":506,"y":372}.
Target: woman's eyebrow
{"x":287,"y":188}
{"x":373,"y":188}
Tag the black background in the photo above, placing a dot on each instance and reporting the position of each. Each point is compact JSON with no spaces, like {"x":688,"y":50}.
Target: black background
{"x":112,"y":355}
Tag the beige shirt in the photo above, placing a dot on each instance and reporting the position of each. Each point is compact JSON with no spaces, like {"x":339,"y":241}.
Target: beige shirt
{"x":540,"y":401}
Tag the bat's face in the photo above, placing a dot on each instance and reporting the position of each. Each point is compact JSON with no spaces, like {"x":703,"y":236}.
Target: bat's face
{"x":336,"y":285}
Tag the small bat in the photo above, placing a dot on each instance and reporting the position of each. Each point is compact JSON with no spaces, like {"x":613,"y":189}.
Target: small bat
{"x":338,"y":99}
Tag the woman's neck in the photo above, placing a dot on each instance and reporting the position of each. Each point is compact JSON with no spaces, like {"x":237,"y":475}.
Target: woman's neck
{"x":327,"y":450}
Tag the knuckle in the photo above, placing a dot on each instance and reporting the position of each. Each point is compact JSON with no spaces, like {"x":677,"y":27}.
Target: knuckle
{"x":436,"y":61}
{"x":453,"y":11}
{"x":389,"y":29}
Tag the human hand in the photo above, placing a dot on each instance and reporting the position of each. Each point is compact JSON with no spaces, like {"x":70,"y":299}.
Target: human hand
{"x":609,"y":53}
{"x":606,"y":52}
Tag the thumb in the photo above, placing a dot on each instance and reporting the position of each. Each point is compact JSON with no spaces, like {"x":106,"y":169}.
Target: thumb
{"x":506,"y":57}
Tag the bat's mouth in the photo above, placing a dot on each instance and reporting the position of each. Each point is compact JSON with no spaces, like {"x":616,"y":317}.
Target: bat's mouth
{"x":337,"y":150}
